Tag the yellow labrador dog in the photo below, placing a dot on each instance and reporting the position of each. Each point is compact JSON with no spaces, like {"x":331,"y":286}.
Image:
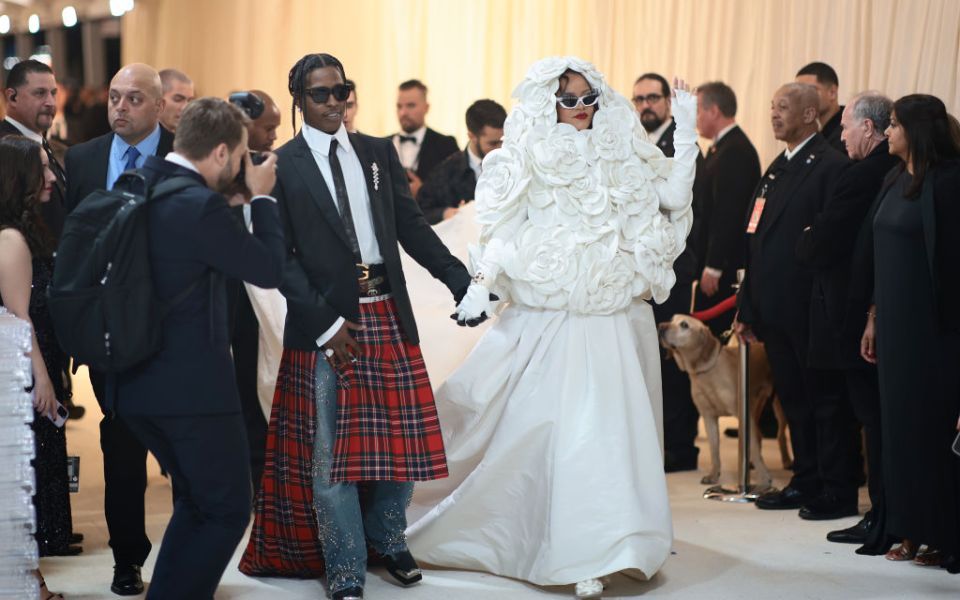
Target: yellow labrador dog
{"x":712,"y":368}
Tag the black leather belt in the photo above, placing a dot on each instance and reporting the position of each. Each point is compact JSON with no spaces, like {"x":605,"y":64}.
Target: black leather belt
{"x":372,"y":280}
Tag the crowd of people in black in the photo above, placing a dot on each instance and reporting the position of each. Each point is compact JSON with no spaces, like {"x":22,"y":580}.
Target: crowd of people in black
{"x":846,"y":239}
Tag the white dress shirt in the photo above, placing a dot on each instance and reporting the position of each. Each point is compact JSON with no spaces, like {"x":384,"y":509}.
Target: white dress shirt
{"x":788,"y":154}
{"x":657,"y":133}
{"x":27,"y":132}
{"x":355,"y":180}
{"x":409,"y":152}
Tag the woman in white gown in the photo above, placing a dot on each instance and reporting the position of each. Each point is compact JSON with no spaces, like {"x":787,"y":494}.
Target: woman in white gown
{"x":551,"y":424}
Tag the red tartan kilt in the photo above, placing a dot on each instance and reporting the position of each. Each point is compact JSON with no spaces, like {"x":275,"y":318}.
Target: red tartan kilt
{"x":387,"y":423}
{"x":284,"y":541}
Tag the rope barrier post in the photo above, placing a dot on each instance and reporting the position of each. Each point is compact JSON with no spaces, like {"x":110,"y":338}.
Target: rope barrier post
{"x":745,"y":492}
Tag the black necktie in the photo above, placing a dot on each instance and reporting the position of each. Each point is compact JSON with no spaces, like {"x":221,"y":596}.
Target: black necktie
{"x":55,"y":165}
{"x":343,"y":202}
{"x":408,"y":138}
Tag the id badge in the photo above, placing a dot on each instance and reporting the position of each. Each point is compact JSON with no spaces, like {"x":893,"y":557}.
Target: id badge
{"x":758,"y":205}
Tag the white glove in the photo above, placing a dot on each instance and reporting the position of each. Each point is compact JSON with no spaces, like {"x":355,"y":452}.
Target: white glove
{"x":676,"y":192}
{"x":475,"y":307}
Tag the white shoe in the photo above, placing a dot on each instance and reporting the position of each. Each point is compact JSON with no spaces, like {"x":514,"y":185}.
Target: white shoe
{"x":589,"y":588}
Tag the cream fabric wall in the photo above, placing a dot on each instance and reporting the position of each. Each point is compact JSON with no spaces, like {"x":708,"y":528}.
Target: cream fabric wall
{"x":469,"y":49}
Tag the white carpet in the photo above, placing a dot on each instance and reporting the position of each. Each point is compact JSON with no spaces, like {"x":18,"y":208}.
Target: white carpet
{"x":721,"y":550}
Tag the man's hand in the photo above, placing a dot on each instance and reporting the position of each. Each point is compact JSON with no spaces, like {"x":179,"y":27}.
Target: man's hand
{"x":868,"y":343}
{"x":709,"y":283}
{"x":415,"y":182}
{"x":344,"y":347}
{"x":261,"y":178}
{"x":744,"y":331}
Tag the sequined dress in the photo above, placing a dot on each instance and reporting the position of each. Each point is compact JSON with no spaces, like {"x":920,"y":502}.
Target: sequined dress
{"x":52,"y":499}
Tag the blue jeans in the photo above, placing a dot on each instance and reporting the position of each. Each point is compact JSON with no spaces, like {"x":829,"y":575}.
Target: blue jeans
{"x":345,"y":527}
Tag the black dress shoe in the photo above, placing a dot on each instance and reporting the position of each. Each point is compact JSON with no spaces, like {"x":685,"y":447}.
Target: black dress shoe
{"x":826,"y":507}
{"x":672,"y":463}
{"x":126,"y":580}
{"x":76,"y":538}
{"x":67,"y":550}
{"x":852,"y":535}
{"x":354,"y":593}
{"x":402,"y":567}
{"x":786,"y":499}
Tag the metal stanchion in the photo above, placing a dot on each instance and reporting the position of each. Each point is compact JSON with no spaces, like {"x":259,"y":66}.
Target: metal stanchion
{"x":745,"y":492}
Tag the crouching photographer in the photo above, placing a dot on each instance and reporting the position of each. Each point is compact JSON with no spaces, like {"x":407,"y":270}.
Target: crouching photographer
{"x":182,"y":402}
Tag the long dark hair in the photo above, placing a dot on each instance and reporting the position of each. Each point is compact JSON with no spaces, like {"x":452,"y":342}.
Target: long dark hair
{"x":21,"y":180}
{"x":296,"y":81}
{"x":926,"y":127}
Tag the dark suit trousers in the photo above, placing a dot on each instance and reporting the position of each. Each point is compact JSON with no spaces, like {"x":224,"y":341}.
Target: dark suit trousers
{"x":863,"y":389}
{"x":838,"y":434}
{"x":793,"y":384}
{"x":245,"y":345}
{"x":206,"y":455}
{"x":125,"y":482}
{"x":680,"y":416}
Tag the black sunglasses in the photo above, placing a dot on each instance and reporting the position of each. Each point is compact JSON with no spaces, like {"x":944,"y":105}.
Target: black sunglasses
{"x":649,"y":99}
{"x":341,"y":92}
{"x":570,"y":102}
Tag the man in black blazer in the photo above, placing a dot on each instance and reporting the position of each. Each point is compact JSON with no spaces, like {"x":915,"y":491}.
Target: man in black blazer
{"x":774,"y":301}
{"x":824,"y":78}
{"x":721,"y":192}
{"x":346,"y":205}
{"x":454,"y":181}
{"x":30,"y":96}
{"x":182,"y":403}
{"x":651,"y":99}
{"x":136,"y":100}
{"x":420,"y":148}
{"x":836,"y":324}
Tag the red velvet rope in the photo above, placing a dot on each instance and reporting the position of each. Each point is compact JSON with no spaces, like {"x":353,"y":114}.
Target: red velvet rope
{"x":715,"y":311}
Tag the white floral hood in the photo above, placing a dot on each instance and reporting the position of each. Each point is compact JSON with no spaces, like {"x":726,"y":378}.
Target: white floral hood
{"x":577,"y":220}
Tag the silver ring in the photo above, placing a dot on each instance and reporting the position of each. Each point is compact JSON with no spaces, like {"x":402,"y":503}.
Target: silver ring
{"x":328,"y":352}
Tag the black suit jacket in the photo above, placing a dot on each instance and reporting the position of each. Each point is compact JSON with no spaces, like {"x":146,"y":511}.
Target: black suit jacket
{"x":452,"y":181}
{"x":52,"y":212}
{"x":722,"y":191}
{"x":433,"y":150}
{"x":320,"y":277}
{"x":87,"y":165}
{"x":827,"y":247}
{"x":776,"y":289}
{"x":665,"y":143}
{"x":832,"y":130}
{"x":195,"y":237}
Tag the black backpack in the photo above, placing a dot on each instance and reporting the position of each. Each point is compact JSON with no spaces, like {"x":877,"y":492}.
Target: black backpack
{"x":101,"y":299}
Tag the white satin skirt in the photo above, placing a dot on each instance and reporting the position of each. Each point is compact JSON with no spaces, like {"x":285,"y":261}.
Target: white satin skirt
{"x":552,"y":431}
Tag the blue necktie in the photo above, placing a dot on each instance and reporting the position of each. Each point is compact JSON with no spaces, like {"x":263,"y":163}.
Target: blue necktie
{"x":132,"y":155}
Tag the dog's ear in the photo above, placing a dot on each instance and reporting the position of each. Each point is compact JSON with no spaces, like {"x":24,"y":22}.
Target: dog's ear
{"x":681,"y":361}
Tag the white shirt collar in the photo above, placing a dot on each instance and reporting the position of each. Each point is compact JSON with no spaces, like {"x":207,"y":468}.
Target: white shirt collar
{"x":418,"y":134}
{"x":474,"y":161}
{"x":657,"y":133}
{"x":791,"y":153}
{"x":181,"y":160}
{"x":26,"y":131}
{"x":724,"y":132}
{"x":319,"y":141}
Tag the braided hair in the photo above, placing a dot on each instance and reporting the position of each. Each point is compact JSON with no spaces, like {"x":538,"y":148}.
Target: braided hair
{"x":297,"y":79}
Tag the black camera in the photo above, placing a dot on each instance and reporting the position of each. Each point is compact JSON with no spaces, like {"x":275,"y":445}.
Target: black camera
{"x":253,"y":106}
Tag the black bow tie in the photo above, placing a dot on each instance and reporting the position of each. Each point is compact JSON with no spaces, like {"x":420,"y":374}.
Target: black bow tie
{"x":408,"y":138}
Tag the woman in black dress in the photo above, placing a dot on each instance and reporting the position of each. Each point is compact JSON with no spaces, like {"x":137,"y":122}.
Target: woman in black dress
{"x":26,"y":265}
{"x":917,"y":332}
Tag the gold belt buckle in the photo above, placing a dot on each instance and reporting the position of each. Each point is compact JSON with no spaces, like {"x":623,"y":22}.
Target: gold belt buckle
{"x":364,"y":271}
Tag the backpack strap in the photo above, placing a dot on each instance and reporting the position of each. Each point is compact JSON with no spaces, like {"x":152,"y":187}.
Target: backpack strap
{"x":172,"y":186}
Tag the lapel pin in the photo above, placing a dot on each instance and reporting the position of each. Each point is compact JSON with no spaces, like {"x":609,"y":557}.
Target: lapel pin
{"x":376,"y":176}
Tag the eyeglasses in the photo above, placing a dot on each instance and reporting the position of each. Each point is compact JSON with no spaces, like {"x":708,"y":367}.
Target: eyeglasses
{"x":341,"y":92}
{"x":570,"y":102}
{"x":649,"y":99}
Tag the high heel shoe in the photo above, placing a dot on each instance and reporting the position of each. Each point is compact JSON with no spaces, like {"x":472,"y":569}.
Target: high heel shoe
{"x":589,"y":588}
{"x":904,"y":552}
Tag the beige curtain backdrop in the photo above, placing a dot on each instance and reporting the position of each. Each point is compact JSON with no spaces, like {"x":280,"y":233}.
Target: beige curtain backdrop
{"x":469,"y":49}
